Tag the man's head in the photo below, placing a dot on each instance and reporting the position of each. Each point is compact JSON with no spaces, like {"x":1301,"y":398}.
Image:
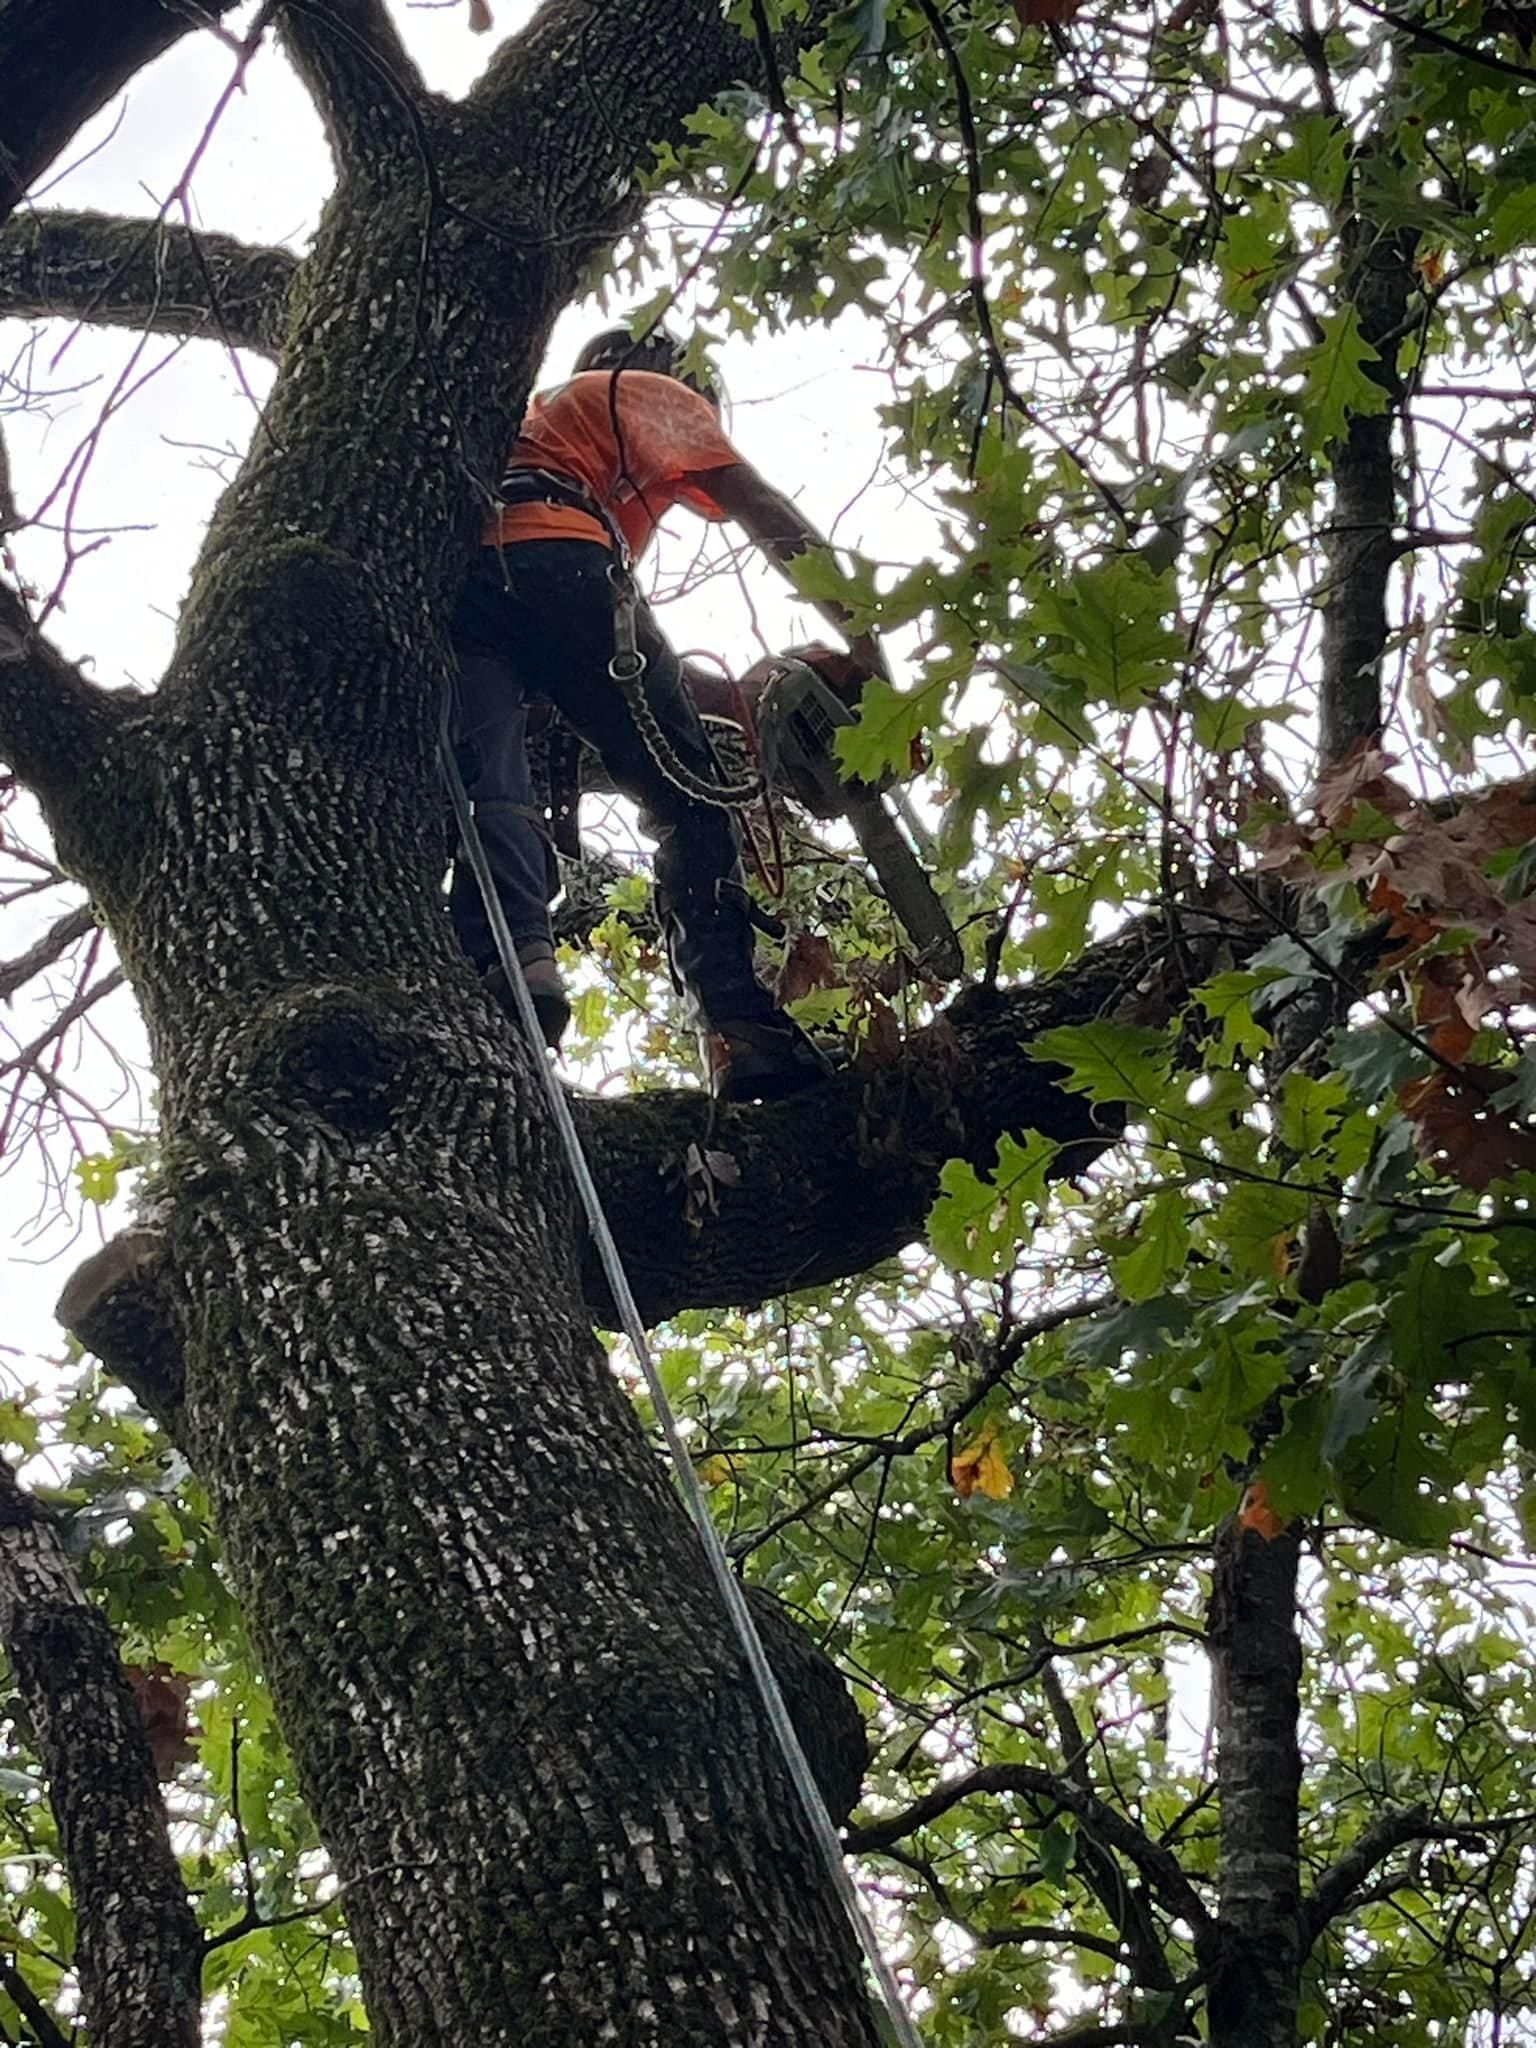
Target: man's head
{"x":658,"y":351}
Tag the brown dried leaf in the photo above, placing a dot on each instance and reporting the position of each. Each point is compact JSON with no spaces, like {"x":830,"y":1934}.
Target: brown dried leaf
{"x":161,"y":1696}
{"x":809,"y":963}
{"x":1457,"y":1130}
{"x":1360,"y":776}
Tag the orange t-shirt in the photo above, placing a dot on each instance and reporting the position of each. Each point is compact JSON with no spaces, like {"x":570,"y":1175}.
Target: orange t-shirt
{"x":666,"y":436}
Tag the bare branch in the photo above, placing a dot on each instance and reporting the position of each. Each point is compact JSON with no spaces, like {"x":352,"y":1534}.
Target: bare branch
{"x":32,"y":2009}
{"x":1394,"y":1829}
{"x":155,"y":276}
{"x":1160,"y":1867}
{"x":63,"y":60}
{"x":359,"y":74}
{"x":1125,"y":1904}
{"x":138,"y":1951}
{"x":44,"y":952}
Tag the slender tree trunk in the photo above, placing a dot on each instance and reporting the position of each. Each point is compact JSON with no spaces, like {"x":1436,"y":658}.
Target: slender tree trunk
{"x":138,"y":1950}
{"x":1256,"y":1659}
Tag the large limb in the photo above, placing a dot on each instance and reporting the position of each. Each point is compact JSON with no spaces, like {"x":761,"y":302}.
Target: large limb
{"x":55,"y":728}
{"x":829,"y":1184}
{"x":832,"y":1183}
{"x":138,"y":1953}
{"x":154,"y":276}
{"x":359,"y":75}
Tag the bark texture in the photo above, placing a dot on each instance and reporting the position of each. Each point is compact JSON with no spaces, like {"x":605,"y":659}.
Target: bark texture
{"x":138,"y":1950}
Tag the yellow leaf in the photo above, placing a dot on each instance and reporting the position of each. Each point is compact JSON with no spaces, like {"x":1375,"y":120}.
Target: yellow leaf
{"x":981,"y":1467}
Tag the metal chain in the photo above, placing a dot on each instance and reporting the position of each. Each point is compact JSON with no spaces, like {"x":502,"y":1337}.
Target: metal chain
{"x":627,"y":669}
{"x":732,"y":1596}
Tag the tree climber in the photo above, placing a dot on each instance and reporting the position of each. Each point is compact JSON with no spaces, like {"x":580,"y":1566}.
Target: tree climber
{"x":549,"y":610}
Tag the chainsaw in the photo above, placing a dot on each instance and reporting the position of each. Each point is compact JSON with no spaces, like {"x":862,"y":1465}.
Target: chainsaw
{"x":799,"y":703}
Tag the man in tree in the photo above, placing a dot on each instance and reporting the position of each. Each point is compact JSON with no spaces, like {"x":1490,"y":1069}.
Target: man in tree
{"x":600,"y":461}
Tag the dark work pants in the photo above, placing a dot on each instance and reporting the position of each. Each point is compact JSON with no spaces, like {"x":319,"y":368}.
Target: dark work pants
{"x":536,"y":620}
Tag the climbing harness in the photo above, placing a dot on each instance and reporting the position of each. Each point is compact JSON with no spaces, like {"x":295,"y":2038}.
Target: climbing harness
{"x":732,"y":1596}
{"x":626,"y":667}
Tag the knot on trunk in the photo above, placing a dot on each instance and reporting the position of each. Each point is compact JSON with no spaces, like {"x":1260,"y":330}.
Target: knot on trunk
{"x":345,"y":1053}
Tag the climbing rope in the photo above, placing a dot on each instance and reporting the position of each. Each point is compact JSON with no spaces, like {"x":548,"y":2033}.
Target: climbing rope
{"x":729,"y":1586}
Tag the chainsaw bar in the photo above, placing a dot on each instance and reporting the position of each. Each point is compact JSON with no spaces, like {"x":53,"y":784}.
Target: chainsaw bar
{"x":798,"y":716}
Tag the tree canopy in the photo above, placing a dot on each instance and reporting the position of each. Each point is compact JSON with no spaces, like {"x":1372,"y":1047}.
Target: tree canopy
{"x":1121,"y":1371}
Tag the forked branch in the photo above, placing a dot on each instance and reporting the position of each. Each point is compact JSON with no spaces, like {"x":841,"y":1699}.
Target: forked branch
{"x":364,"y":84}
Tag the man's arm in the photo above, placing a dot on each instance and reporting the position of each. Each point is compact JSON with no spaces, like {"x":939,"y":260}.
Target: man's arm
{"x":778,"y":526}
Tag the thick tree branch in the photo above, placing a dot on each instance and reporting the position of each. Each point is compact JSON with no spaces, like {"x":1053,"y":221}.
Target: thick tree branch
{"x":153,"y":276}
{"x":139,"y":1951}
{"x":364,"y":84}
{"x":53,"y":725}
{"x":63,"y":60}
{"x":1160,"y":1867}
{"x":831,"y":1184}
{"x":601,"y":88}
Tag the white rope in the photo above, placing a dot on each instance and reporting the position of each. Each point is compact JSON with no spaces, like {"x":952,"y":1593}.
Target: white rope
{"x":729,"y":1586}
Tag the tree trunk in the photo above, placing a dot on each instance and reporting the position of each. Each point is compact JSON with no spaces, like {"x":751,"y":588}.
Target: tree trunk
{"x":526,"y":1734}
{"x":1256,"y":1658}
{"x":524,"y":1731}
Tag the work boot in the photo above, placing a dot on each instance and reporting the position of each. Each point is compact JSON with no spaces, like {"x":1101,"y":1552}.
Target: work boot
{"x":753,"y":1051}
{"x":551,"y":1006}
{"x":761,"y":1059}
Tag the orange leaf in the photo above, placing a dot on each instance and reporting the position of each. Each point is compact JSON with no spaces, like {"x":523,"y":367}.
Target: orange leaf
{"x":161,"y":1696}
{"x":982,"y":1468}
